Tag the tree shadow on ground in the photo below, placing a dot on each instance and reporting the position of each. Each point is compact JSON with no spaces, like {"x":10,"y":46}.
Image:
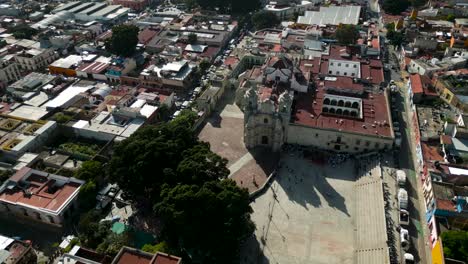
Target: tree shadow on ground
{"x":252,"y":252}
{"x":303,"y":187}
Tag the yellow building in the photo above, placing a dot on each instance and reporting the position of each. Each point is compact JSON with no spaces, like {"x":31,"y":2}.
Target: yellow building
{"x":438,"y":253}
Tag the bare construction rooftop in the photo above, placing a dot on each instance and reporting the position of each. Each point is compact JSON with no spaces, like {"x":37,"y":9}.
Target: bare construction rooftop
{"x":332,"y":15}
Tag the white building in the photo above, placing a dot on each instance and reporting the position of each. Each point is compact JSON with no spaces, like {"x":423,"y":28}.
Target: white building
{"x":35,"y":59}
{"x":332,"y":15}
{"x":284,"y":11}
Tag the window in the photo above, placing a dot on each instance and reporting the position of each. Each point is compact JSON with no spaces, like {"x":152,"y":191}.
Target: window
{"x":347,"y":65}
{"x":316,"y":135}
{"x":329,"y":72}
{"x":377,"y":145}
{"x":345,"y":73}
{"x":264,"y":140}
{"x":354,"y":66}
{"x":338,"y":139}
{"x":352,"y":74}
{"x":337,"y":72}
{"x":331,"y":63}
{"x":339,"y":64}
{"x":51,"y":219}
{"x":358,"y":141}
{"x":265,"y":121}
{"x":367,"y":143}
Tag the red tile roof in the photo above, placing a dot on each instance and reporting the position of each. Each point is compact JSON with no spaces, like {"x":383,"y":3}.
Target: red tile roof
{"x":133,"y":257}
{"x":446,"y":205}
{"x":416,"y":84}
{"x":161,"y":258}
{"x":147,"y":34}
{"x":375,"y":109}
{"x":431,"y":151}
{"x":39,"y":187}
{"x":129,"y":255}
{"x":94,"y":67}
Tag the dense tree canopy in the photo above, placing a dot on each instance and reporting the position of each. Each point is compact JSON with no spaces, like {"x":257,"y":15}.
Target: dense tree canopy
{"x":395,"y":7}
{"x":147,"y":159}
{"x":231,"y":6}
{"x":208,"y":221}
{"x":455,"y":244}
{"x":205,"y":216}
{"x":347,"y":34}
{"x":192,"y":38}
{"x":264,"y":19}
{"x":124,"y":40}
{"x":23,"y":31}
{"x":395,"y":38}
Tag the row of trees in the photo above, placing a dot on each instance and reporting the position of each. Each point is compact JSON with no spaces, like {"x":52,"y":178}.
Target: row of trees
{"x":395,"y":7}
{"x":227,"y":6}
{"x":205,"y":215}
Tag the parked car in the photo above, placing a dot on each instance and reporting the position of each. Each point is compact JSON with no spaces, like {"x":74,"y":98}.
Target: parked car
{"x":403,"y":199}
{"x":401,"y":178}
{"x":404,"y":239}
{"x":404,"y":217}
{"x":408,"y":258}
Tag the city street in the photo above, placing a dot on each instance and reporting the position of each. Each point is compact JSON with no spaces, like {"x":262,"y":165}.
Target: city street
{"x":407,"y":159}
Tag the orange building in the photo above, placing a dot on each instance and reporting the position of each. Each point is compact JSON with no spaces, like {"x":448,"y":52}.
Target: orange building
{"x":65,"y":66}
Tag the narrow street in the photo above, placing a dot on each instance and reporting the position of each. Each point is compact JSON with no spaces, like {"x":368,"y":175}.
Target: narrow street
{"x":407,"y":158}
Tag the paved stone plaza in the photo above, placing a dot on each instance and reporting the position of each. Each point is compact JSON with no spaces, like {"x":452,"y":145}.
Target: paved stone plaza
{"x":224,"y":130}
{"x":306,"y":215}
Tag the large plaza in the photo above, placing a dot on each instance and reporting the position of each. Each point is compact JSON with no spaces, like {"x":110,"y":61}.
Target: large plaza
{"x":320,"y":213}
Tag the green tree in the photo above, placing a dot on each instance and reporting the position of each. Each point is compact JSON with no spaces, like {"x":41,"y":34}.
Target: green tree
{"x":139,"y":163}
{"x":124,"y":40}
{"x":418,"y":3}
{"x":90,"y":170}
{"x":160,"y":247}
{"x":112,"y":244}
{"x":199,"y":165}
{"x":238,"y":7}
{"x":87,"y":196}
{"x":90,"y":231}
{"x":395,"y":7}
{"x":450,"y":17}
{"x":61,"y":118}
{"x":4,"y":175}
{"x":192,"y":38}
{"x":207,"y":221}
{"x":264,"y":19}
{"x":455,"y":244}
{"x":23,"y":31}
{"x":347,"y":34}
{"x":204,"y":66}
{"x":395,"y":38}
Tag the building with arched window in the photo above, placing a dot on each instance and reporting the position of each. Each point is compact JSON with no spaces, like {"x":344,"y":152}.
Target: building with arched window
{"x":344,"y":113}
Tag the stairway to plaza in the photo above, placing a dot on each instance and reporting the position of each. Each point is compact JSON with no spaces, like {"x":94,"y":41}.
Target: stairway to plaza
{"x":371,"y":234}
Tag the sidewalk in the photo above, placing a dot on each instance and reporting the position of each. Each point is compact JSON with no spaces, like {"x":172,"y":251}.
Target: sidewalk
{"x":423,"y":230}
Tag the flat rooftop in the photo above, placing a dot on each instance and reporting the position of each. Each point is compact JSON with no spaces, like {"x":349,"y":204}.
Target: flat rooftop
{"x":332,"y":15}
{"x":31,"y":188}
{"x":129,"y":255}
